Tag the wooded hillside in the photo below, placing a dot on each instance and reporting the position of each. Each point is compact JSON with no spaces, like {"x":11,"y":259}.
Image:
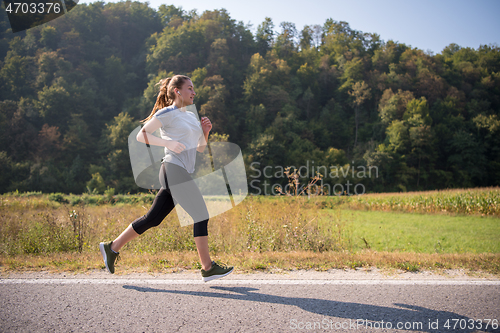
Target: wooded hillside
{"x":73,"y":89}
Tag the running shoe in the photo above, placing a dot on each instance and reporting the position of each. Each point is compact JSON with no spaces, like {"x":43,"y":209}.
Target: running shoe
{"x":109,"y":256}
{"x":215,"y":272}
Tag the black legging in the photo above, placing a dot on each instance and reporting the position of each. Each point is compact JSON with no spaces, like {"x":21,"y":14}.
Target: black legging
{"x":164,"y":202}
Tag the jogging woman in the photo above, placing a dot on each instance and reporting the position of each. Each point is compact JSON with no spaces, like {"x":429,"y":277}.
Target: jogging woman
{"x":175,"y":125}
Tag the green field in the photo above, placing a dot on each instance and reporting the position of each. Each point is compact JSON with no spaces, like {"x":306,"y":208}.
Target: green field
{"x":423,"y":233}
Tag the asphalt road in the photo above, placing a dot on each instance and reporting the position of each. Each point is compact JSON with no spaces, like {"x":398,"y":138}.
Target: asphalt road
{"x":246,"y":304}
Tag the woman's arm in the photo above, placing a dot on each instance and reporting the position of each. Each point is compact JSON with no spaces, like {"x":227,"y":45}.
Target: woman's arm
{"x":203,"y":142}
{"x":206,"y":126}
{"x":146,"y":133}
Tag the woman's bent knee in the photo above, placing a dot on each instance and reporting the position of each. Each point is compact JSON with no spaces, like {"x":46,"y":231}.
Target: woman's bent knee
{"x":200,"y":228}
{"x":143,"y":223}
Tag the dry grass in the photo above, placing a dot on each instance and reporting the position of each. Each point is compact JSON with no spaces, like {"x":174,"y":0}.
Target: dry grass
{"x":169,"y":262}
{"x":282,"y":225}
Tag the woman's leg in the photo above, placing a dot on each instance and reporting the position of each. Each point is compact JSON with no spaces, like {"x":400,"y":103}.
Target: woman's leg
{"x":161,"y":207}
{"x":126,"y":236}
{"x":202,"y":247}
{"x":191,"y":199}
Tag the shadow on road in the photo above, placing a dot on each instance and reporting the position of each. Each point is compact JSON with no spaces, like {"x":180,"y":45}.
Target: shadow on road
{"x":405,"y":314}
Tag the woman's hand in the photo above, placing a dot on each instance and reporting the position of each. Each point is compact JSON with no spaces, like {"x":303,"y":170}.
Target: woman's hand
{"x":175,"y":146}
{"x":206,"y":125}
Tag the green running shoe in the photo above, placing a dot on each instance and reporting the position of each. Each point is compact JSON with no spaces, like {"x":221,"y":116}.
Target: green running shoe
{"x":109,"y":256}
{"x":215,"y":272}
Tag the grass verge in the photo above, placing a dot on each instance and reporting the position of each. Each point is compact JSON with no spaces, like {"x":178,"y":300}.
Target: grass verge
{"x":252,"y":261}
{"x":260,"y":234}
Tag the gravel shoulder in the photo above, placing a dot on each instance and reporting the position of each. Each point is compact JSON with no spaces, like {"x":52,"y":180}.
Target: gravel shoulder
{"x":332,"y":274}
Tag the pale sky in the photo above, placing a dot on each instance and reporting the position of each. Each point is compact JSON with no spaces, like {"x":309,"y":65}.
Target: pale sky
{"x":427,"y":25}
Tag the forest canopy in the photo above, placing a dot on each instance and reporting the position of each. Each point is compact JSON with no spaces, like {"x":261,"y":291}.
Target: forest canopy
{"x":73,"y":89}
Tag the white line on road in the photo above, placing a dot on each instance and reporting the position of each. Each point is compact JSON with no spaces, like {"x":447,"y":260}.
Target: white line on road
{"x":254,"y":282}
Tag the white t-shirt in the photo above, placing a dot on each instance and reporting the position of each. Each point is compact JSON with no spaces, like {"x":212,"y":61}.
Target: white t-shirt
{"x":184,"y":127}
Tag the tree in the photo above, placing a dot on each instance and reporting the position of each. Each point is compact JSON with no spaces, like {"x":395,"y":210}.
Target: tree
{"x":17,"y":75}
{"x":75,"y":177}
{"x":360,"y":93}
{"x":467,"y":159}
{"x":215,"y":108}
{"x":48,"y":144}
{"x":421,"y":140}
{"x":78,"y":140}
{"x":417,"y":112}
{"x":5,"y":171}
{"x":218,"y":59}
{"x":50,"y":37}
{"x":488,"y":130}
{"x":393,"y":106}
{"x":257,"y":79}
{"x":265,"y":36}
{"x":171,"y":15}
{"x":7,"y":110}
{"x":21,"y":133}
{"x":317,"y":35}
{"x":54,"y":103}
{"x":308,"y":96}
{"x":286,"y":40}
{"x":388,"y":53}
{"x":114,"y":146}
{"x":397,"y":135}
{"x":255,"y":120}
{"x":306,"y":38}
{"x":352,"y":72}
{"x":48,"y":65}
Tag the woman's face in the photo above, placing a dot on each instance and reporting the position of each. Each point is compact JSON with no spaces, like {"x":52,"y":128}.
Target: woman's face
{"x":186,"y":94}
